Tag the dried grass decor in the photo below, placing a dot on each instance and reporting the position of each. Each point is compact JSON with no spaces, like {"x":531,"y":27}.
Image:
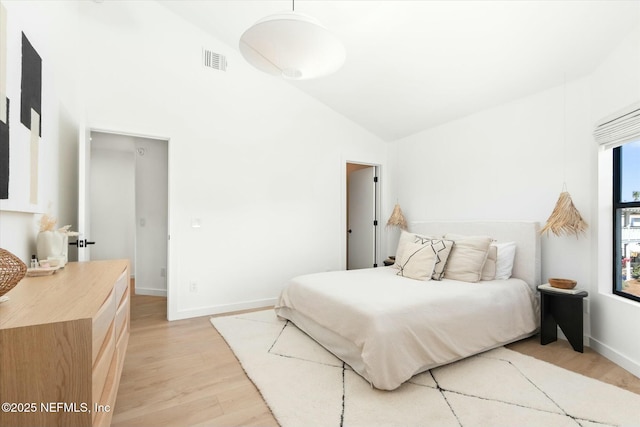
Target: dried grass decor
{"x":565,"y":218}
{"x":397,"y":218}
{"x":47,"y":222}
{"x":12,"y":270}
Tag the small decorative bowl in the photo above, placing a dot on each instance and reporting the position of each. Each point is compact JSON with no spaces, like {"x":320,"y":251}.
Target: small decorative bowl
{"x":562,"y":283}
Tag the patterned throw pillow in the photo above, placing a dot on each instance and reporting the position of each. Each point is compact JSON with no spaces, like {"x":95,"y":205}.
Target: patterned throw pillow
{"x":416,"y":261}
{"x":442,"y":249}
{"x":405,"y":237}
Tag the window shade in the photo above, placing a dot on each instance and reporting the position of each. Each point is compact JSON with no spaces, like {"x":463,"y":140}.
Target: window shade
{"x":620,"y":130}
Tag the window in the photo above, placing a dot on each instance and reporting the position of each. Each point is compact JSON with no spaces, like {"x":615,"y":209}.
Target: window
{"x":626,"y":220}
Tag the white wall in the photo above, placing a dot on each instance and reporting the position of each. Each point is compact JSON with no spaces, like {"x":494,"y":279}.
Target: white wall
{"x":151,"y":216}
{"x":112,"y":200}
{"x":510,"y":162}
{"x":262,"y":165}
{"x":258,"y":163}
{"x":47,"y":30}
{"x":507,"y":163}
{"x":615,"y":320}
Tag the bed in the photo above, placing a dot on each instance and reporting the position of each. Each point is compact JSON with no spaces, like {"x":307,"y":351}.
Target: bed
{"x":389,"y":328}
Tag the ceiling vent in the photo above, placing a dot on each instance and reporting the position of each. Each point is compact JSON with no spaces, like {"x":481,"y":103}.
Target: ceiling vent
{"x":214,"y":60}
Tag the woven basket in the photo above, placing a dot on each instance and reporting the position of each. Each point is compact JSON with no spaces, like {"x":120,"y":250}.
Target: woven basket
{"x":12,"y":270}
{"x":563,"y":283}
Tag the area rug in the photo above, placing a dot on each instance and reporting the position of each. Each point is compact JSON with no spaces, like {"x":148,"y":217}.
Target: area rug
{"x":304,"y":385}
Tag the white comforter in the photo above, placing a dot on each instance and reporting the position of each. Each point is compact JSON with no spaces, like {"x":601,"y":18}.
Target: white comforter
{"x":400,"y":326}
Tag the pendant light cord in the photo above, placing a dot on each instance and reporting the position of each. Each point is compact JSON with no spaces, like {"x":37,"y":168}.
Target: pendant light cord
{"x":564,"y":131}
{"x":293,"y":5}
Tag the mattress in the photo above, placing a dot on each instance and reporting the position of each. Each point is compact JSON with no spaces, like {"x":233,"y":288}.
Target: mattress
{"x":389,"y":328}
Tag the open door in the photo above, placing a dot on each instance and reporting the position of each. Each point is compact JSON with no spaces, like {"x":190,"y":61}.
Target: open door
{"x":123,"y":204}
{"x":361,"y":218}
{"x":84,"y":168}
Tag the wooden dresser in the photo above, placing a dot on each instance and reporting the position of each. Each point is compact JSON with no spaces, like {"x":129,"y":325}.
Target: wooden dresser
{"x":63,"y":340}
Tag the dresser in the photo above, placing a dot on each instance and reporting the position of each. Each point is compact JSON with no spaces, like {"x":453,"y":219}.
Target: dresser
{"x":63,"y":340}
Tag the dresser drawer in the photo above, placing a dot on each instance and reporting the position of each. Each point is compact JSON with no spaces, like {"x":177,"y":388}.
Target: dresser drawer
{"x":122,"y":316}
{"x":101,"y":324}
{"x":122,"y":286}
{"x":101,"y":415}
{"x":102,"y":366}
{"x":121,"y":348}
{"x":58,"y":343}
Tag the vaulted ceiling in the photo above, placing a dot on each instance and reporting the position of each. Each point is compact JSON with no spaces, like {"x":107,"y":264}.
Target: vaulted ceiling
{"x":412,"y":65}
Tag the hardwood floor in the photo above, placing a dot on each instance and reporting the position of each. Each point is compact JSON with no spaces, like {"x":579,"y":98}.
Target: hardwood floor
{"x":589,"y":363}
{"x":182,"y":373}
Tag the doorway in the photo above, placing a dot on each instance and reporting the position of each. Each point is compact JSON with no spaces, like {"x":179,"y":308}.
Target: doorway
{"x":127,"y":203}
{"x":362,"y":215}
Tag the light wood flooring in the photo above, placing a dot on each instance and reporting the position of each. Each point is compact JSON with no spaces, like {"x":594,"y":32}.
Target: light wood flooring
{"x":182,"y":373}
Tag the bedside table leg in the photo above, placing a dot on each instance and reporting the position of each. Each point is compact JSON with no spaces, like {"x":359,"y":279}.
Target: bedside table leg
{"x":548,"y":325}
{"x":570,"y":321}
{"x":564,"y":312}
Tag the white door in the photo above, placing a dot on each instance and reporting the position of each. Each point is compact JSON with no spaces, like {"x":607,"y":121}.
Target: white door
{"x":361,"y":235}
{"x":84,"y":169}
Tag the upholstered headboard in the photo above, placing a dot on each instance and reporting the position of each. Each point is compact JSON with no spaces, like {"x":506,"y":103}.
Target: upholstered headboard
{"x":526,"y":235}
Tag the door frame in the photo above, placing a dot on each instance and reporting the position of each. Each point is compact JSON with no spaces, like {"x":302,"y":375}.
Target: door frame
{"x":84,"y":172}
{"x":345,"y":206}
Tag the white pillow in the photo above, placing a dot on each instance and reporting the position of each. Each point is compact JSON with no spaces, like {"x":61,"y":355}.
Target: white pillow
{"x":504,"y":262}
{"x":489,"y":268}
{"x":416,"y":261}
{"x":467,"y":258}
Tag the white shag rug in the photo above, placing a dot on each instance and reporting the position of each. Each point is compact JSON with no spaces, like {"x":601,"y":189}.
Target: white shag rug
{"x":305,"y":385}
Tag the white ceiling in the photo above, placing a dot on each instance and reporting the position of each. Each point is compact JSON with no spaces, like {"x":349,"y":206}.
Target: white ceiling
{"x":412,"y":65}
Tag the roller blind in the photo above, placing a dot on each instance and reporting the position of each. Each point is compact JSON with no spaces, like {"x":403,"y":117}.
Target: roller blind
{"x":617,"y":131}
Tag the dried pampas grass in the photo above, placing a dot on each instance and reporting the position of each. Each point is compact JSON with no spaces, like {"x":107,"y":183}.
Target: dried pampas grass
{"x":47,"y":222}
{"x":565,"y":218}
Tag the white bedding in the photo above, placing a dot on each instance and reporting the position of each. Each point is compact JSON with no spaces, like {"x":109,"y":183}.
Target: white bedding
{"x":389,"y":328}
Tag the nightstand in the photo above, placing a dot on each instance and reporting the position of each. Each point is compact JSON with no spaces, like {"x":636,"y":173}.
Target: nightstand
{"x":564,"y":309}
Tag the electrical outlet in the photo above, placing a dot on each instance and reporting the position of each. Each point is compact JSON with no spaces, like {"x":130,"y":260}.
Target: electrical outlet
{"x":193,"y":287}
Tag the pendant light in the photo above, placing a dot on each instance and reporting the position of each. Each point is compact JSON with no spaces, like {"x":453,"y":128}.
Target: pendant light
{"x":565,"y":219}
{"x":292,"y":45}
{"x":397,"y":218}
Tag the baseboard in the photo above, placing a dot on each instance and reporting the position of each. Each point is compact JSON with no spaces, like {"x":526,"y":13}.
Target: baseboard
{"x":151,"y":292}
{"x":224,"y":308}
{"x":611,"y":354}
{"x":586,"y":339}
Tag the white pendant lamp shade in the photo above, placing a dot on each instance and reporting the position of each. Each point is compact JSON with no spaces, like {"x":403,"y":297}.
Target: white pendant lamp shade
{"x":292,"y":45}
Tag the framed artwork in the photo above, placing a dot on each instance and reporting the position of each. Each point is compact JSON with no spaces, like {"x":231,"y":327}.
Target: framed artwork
{"x":20,"y":120}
